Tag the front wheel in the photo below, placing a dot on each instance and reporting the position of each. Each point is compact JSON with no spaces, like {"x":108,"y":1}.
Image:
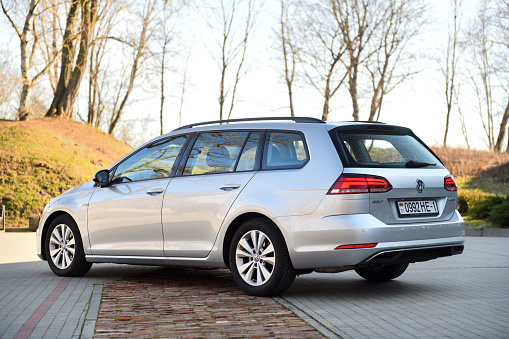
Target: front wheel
{"x":382,"y":272}
{"x":259,"y":259}
{"x":64,"y":249}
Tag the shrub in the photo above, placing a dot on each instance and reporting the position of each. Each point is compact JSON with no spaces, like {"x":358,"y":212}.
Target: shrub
{"x":500,"y":214}
{"x":482,"y":208}
{"x":467,"y":199}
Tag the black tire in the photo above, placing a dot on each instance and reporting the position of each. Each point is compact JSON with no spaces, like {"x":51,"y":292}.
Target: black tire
{"x":382,"y":272}
{"x":282,"y":273}
{"x":62,"y":239}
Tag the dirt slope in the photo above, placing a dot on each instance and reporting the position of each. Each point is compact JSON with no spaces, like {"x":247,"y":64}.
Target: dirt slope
{"x":42,"y":158}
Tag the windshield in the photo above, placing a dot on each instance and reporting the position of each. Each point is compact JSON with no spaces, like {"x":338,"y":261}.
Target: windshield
{"x":365,"y":149}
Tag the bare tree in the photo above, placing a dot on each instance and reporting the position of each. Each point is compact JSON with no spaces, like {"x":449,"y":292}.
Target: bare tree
{"x":98,"y":76}
{"x":451,"y":59}
{"x":482,"y":77}
{"x":8,"y":86}
{"x":51,"y":41}
{"x":501,"y":41}
{"x":461,"y":116}
{"x":401,"y":22}
{"x":183,"y":89}
{"x":140,"y":53}
{"x":322,"y":50}
{"x":167,"y":36}
{"x":29,"y":37}
{"x":358,"y":22}
{"x":359,"y":43}
{"x":232,"y":48}
{"x":289,"y":46}
{"x":166,"y":41}
{"x":375,"y":34}
{"x":73,"y":65}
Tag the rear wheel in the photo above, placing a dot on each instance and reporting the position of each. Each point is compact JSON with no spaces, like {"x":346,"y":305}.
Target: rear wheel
{"x":259,"y":259}
{"x":64,"y":248}
{"x":382,"y":272}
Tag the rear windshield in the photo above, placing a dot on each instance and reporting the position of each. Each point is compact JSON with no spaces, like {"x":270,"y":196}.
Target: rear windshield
{"x":364,"y":149}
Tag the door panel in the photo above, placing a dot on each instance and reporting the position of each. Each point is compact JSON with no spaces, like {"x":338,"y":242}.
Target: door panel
{"x":194,"y":208}
{"x":125,"y":219}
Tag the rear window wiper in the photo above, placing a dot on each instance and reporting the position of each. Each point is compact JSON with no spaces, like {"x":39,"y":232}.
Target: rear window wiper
{"x":418,"y":164}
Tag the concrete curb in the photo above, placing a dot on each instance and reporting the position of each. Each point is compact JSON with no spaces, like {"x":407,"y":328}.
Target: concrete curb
{"x":17,"y":229}
{"x":487,"y":232}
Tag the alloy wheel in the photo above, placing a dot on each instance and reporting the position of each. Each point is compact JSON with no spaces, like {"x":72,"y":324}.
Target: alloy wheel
{"x":255,"y":258}
{"x":62,"y":246}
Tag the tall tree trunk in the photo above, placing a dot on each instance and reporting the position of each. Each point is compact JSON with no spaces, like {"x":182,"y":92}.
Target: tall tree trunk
{"x":71,"y":72}
{"x":352,"y":88}
{"x":24,"y":103}
{"x":327,"y":96}
{"x":501,"y":132}
{"x":25,"y":36}
{"x":162,"y":85}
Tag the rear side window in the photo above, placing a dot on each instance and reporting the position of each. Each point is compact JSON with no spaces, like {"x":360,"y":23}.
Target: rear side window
{"x":215,"y":152}
{"x":386,"y":150}
{"x":284,"y":150}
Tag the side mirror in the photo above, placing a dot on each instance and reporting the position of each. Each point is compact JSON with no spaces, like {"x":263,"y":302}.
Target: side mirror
{"x":102,"y":178}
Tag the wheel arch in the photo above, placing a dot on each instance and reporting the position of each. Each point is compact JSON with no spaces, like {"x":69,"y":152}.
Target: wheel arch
{"x":235,"y":224}
{"x":45,"y":228}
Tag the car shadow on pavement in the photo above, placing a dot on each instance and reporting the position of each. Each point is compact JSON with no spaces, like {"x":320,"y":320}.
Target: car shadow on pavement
{"x":348,"y":287}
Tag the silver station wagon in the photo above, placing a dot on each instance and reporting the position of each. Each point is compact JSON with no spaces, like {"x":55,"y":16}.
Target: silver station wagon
{"x":269,"y":198}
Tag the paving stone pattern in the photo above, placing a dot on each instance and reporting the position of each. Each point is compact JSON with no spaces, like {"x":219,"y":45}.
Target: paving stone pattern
{"x":192,"y":303}
{"x":464,"y":296}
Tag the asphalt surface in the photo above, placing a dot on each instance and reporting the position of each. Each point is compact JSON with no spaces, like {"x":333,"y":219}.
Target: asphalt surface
{"x":463,"y":296}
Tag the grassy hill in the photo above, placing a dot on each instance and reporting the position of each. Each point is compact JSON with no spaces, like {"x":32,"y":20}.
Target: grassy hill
{"x":473,"y":169}
{"x":42,"y":158}
{"x":483,"y":185}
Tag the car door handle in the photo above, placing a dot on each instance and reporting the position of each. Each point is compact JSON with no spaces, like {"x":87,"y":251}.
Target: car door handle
{"x":155,"y":192}
{"x":229,"y":187}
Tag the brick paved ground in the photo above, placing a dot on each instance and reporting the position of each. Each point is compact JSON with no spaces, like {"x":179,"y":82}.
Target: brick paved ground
{"x":187,"y":303}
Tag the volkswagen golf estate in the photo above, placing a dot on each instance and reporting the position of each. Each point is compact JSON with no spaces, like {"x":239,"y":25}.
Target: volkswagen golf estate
{"x":269,"y":198}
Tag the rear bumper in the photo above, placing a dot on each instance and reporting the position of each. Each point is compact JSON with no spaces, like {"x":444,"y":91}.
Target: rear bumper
{"x":312,"y":243}
{"x":413,"y":254}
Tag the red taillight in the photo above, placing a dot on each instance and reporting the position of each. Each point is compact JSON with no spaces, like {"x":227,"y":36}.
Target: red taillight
{"x":359,"y":183}
{"x":450,"y":183}
{"x":349,"y":247}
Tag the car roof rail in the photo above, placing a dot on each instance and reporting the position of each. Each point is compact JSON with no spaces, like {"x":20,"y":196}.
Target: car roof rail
{"x":296,"y":119}
{"x":371,"y":122}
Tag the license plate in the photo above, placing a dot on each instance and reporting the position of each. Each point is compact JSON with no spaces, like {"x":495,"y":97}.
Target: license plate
{"x":417,"y":207}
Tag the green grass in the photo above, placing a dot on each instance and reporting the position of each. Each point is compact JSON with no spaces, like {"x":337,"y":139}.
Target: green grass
{"x":473,"y":223}
{"x":37,"y":165}
{"x":484,"y":184}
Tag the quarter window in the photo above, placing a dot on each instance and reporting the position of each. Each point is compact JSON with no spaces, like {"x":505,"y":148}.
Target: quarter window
{"x":152,"y":162}
{"x":247,"y":161}
{"x":215,"y":152}
{"x":284,"y":150}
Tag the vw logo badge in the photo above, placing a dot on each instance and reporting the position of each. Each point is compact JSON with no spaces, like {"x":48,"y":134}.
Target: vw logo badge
{"x":420,"y":185}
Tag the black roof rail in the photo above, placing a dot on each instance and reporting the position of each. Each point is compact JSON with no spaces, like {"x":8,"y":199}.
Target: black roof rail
{"x":296,"y":119}
{"x":371,"y":122}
